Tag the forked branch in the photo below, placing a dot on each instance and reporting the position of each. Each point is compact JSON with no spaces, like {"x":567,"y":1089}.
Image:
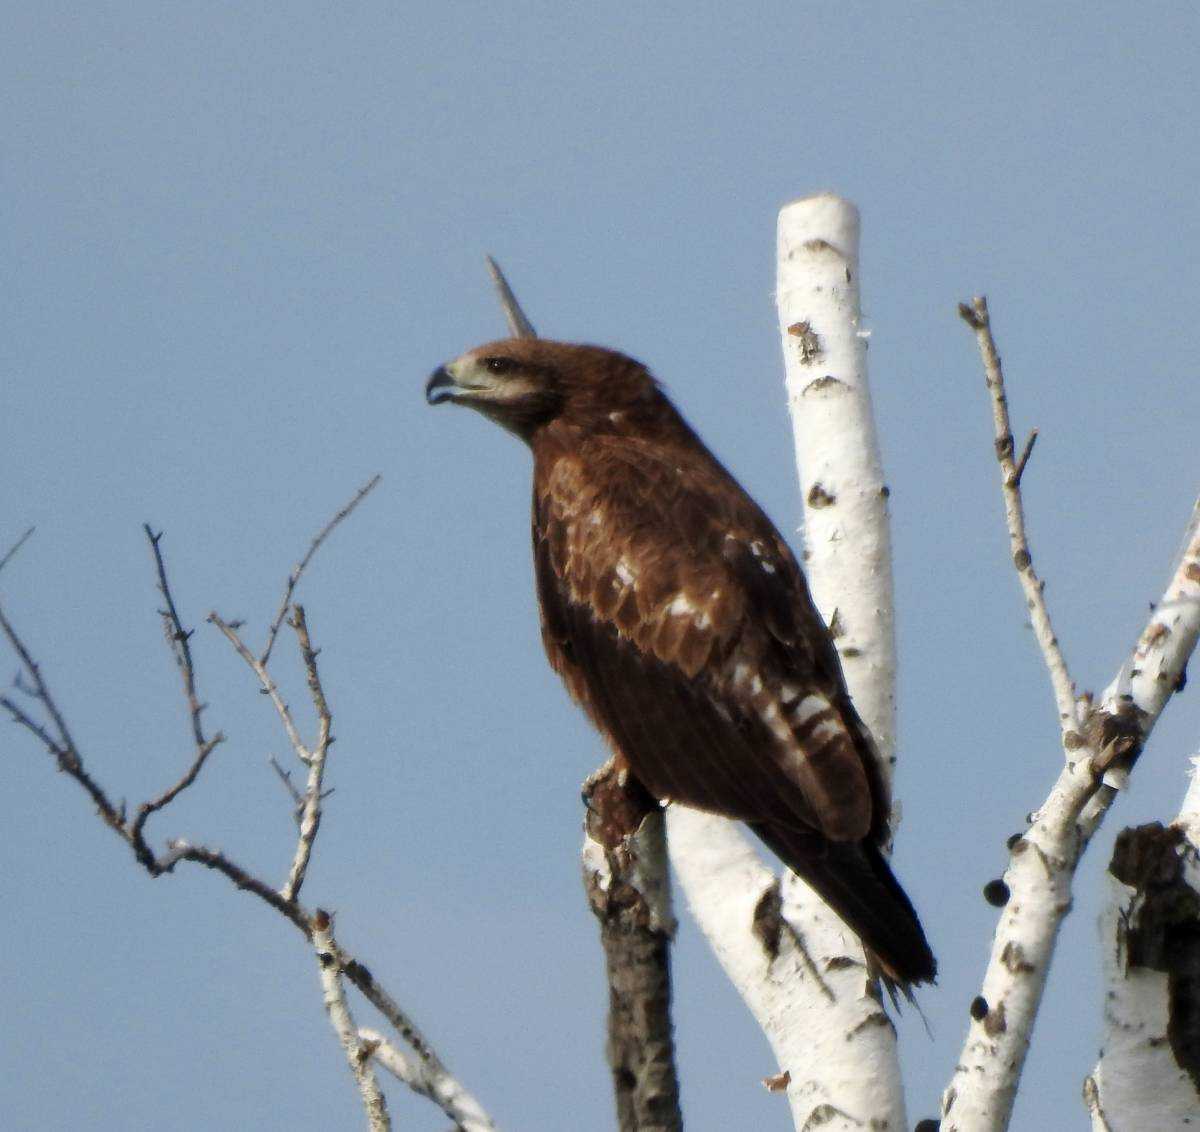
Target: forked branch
{"x":431,"y":1077}
{"x":1102,"y":742}
{"x":975,"y":314}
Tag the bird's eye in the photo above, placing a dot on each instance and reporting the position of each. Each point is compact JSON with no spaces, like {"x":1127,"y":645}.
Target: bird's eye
{"x":499,"y":365}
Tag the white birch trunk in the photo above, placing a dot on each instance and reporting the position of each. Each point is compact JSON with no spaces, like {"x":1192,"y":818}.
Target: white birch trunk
{"x":799,"y":969}
{"x":1151,"y":951}
{"x":848,"y":551}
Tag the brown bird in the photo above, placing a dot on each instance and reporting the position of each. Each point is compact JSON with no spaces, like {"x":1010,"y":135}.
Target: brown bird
{"x":680,"y":621}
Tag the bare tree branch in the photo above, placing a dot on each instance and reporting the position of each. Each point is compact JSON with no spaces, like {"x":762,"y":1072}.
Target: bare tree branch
{"x":61,"y":745}
{"x":294,"y":577}
{"x":976,"y":316}
{"x":1023,"y":459}
{"x":519,"y":326}
{"x":1102,"y":743}
{"x":268,"y":685}
{"x":180,"y":850}
{"x":435,"y":1081}
{"x":310,"y":812}
{"x":179,"y":642}
{"x":285,"y":776}
{"x":358,"y":1054}
{"x":178,"y":637}
{"x":11,"y":553}
{"x":628,"y":889}
{"x":445,"y":1092}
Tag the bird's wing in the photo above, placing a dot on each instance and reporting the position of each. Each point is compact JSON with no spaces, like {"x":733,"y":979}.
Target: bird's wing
{"x":680,"y":621}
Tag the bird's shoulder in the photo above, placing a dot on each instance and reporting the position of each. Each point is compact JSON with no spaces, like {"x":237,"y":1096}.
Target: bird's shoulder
{"x":660,"y":541}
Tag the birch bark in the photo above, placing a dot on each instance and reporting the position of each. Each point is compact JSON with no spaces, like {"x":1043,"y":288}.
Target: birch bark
{"x":799,"y":969}
{"x":1148,"y":1075}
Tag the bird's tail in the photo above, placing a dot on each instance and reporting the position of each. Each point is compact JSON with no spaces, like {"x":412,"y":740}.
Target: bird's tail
{"x":854,"y":879}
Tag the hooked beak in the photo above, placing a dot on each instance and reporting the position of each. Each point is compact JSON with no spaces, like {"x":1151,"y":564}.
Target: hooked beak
{"x":440,"y":387}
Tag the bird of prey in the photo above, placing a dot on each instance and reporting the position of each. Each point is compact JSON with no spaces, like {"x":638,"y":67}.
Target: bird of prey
{"x":679,"y":620}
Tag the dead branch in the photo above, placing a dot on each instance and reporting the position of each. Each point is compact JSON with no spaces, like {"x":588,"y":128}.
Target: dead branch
{"x":625,"y":877}
{"x":53,"y":734}
{"x":294,"y":577}
{"x":11,"y":552}
{"x":1101,"y":742}
{"x":518,"y":324}
{"x":976,"y":316}
{"x":358,"y":1055}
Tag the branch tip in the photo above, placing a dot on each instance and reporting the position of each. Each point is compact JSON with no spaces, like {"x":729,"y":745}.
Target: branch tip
{"x":293,"y":579}
{"x":974,"y":313}
{"x":1023,"y":459}
{"x":518,"y":324}
{"x":11,"y":553}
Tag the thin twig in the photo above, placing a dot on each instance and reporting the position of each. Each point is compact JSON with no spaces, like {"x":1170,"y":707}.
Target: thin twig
{"x":171,"y":793}
{"x":178,"y":637}
{"x":310,"y":812}
{"x":179,"y":642}
{"x":976,"y":316}
{"x":67,"y":758}
{"x":41,"y":692}
{"x":1026,"y":452}
{"x":285,"y":776}
{"x":181,"y":850}
{"x":358,"y":1053}
{"x":12,"y":550}
{"x":61,"y":745}
{"x":518,"y":324}
{"x":268,"y":684}
{"x":298,"y":570}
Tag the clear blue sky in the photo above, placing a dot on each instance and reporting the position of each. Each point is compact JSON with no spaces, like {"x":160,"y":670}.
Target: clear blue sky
{"x":235,"y":240}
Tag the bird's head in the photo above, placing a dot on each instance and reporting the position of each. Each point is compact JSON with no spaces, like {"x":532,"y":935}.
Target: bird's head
{"x":526,"y":383}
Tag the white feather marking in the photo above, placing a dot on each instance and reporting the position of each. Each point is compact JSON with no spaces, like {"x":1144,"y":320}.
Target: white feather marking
{"x":826,"y":729}
{"x":797,"y":755}
{"x":808,"y":707}
{"x":756,"y":686}
{"x":625,"y":572}
{"x":788,"y":693}
{"x":771,"y":716}
{"x":681,"y":606}
{"x":760,"y":552}
{"x":741,"y":672}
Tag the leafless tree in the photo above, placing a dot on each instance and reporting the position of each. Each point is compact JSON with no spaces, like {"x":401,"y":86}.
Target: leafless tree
{"x":801,"y":974}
